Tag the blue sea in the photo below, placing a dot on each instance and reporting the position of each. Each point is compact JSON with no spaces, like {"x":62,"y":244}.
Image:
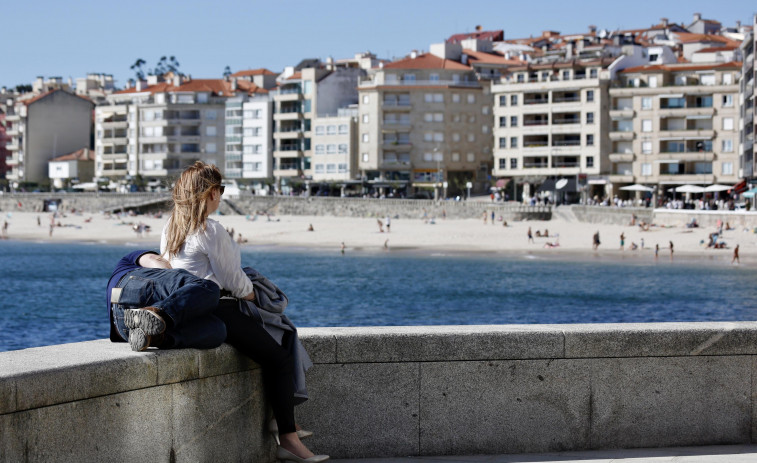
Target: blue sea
{"x":53,"y":293}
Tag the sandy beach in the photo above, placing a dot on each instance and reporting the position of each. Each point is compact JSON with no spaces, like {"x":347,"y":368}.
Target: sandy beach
{"x":440,"y":235}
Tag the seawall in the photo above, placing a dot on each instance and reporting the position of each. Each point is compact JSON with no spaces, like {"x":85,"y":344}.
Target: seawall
{"x":392,"y":391}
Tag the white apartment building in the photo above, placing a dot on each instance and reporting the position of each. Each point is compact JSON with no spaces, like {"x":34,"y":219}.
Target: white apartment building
{"x":156,"y":130}
{"x":425,"y":124}
{"x":42,"y":127}
{"x":748,"y":98}
{"x":249,"y":138}
{"x":335,"y":148}
{"x":673,"y":125}
{"x":305,"y":92}
{"x":551,"y":123}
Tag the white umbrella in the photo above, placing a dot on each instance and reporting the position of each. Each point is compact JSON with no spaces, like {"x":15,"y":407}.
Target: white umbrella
{"x":717,"y":187}
{"x":689,"y":189}
{"x":636,"y":187}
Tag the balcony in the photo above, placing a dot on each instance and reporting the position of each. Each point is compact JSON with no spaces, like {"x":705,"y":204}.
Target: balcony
{"x":289,"y":95}
{"x":370,"y":83}
{"x":12,"y":146}
{"x":390,"y":105}
{"x":622,"y":113}
{"x":12,"y":117}
{"x":687,"y":133}
{"x":115,"y":124}
{"x":233,"y":157}
{"x":622,"y":135}
{"x":288,"y":115}
{"x":686,"y":178}
{"x":535,"y":101}
{"x":12,"y":132}
{"x":686,"y":111}
{"x":622,"y":157}
{"x":286,"y":152}
{"x":400,"y":145}
{"x":113,"y":156}
{"x":688,"y":156}
{"x":288,"y":135}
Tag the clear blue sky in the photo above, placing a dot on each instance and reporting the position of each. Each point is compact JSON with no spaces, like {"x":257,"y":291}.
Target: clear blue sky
{"x":70,"y":39}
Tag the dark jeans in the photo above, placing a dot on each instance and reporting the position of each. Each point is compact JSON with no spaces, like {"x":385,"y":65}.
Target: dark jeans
{"x":251,"y":338}
{"x":187,"y":300}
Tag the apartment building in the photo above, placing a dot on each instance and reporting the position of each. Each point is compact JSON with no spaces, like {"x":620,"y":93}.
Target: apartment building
{"x":551,"y":123}
{"x":249,"y":134}
{"x":40,"y":127}
{"x":748,"y":98}
{"x":156,"y":129}
{"x":425,"y":124}
{"x":335,"y":149}
{"x":673,"y":125}
{"x":305,"y":92}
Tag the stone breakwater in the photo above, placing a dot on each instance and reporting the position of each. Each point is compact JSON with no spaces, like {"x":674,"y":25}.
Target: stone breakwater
{"x":392,"y":392}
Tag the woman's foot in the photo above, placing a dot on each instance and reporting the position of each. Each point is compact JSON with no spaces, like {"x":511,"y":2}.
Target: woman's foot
{"x":292,"y":443}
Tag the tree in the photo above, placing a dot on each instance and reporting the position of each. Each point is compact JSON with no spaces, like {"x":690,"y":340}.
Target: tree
{"x":139,"y":73}
{"x":226,"y":71}
{"x":23,"y":88}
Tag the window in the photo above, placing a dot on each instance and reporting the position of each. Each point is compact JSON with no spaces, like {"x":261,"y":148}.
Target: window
{"x":593,"y":73}
{"x":211,"y":114}
{"x":589,"y":161}
{"x":428,"y":117}
{"x":589,"y":139}
{"x":472,"y":118}
{"x":503,"y":142}
{"x":319,"y":168}
{"x":589,"y":118}
{"x":521,"y":78}
{"x":211,"y":131}
{"x":646,"y":169}
{"x":428,"y":157}
{"x":330,"y":130}
{"x":727,"y":123}
{"x":438,"y":117}
{"x":513,"y":100}
{"x":471,"y":157}
{"x":727,"y":101}
{"x":653,"y":81}
{"x":727,"y":146}
{"x":342,"y":168}
{"x":484,"y":129}
{"x":707,"y":79}
{"x":503,"y":121}
{"x":471,"y":138}
{"x":503,"y":100}
{"x":428,"y":97}
{"x":646,"y":125}
{"x":513,"y":163}
{"x":590,"y":93}
{"x":342,"y":148}
{"x":365,"y":118}
{"x":343,"y":130}
{"x":727,"y":79}
{"x":471,"y":98}
{"x":330,"y":168}
{"x":456,"y":157}
{"x":513,"y":121}
{"x":433,"y":77}
{"x":439,"y":136}
{"x":438,"y":98}
{"x":513,"y":142}
{"x":727,"y":168}
{"x":366,"y":99}
{"x":456,"y":137}
{"x":320,"y":129}
{"x":210,"y":147}
{"x":331,"y":148}
{"x":646,"y":147}
{"x":365,"y":138}
{"x":646,"y":102}
{"x":365,"y":157}
{"x":503,"y":163}
{"x":566,"y":75}
{"x":408,"y":77}
{"x":456,"y":98}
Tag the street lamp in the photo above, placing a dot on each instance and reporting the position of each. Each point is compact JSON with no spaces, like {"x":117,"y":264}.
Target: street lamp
{"x":437,"y":185}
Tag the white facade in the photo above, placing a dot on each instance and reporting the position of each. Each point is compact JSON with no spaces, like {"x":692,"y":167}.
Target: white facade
{"x":334,"y":147}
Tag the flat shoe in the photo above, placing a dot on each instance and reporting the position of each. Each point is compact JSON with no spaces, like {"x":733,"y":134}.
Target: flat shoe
{"x":285,"y":455}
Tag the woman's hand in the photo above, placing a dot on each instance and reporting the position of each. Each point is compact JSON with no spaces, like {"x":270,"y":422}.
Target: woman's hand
{"x":250,"y":297}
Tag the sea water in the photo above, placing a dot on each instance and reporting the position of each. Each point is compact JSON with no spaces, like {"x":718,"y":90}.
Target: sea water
{"x":53,"y":293}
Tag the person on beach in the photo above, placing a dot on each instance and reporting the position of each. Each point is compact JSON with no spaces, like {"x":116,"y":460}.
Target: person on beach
{"x":671,"y":249}
{"x":152,"y":305}
{"x":656,"y":250}
{"x":622,"y":240}
{"x":530,"y":236}
{"x":736,"y":255}
{"x":380,"y":225}
{"x":253,"y":313}
{"x":492,"y":217}
{"x":388,"y":222}
{"x":595,"y":241}
{"x":5,"y":229}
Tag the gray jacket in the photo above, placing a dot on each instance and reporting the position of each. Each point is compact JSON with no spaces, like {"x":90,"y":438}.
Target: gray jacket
{"x":268,"y":309}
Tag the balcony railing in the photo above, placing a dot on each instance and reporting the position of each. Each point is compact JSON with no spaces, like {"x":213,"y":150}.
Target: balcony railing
{"x":566,"y":99}
{"x":567,"y":143}
{"x":535,"y":144}
{"x":536,"y":101}
{"x":535,"y":122}
{"x":575,"y":120}
{"x":535,"y":165}
{"x":556,"y":163}
{"x":425,"y":83}
{"x":396,"y":103}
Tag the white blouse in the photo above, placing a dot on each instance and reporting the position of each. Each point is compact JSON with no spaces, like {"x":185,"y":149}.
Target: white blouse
{"x":211,"y":254}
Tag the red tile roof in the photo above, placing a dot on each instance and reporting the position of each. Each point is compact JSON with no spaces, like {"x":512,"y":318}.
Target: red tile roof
{"x":716,"y":49}
{"x":494,"y":36}
{"x":250,"y":88}
{"x":427,"y":61}
{"x":295,"y":76}
{"x":687,"y":37}
{"x":254,"y":72}
{"x":43,"y":95}
{"x":84,"y":154}
{"x":683,"y":67}
{"x":490,"y":58}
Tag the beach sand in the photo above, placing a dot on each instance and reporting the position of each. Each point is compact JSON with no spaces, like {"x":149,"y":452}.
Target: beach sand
{"x":362,"y":234}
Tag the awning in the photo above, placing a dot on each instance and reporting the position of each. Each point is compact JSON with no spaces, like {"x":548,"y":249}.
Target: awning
{"x":699,"y":117}
{"x":562,"y":184}
{"x":502,"y":182}
{"x":548,"y":185}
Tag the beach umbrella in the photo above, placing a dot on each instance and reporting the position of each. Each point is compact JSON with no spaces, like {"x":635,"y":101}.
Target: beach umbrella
{"x":689,"y":189}
{"x":717,"y":187}
{"x":637,"y":187}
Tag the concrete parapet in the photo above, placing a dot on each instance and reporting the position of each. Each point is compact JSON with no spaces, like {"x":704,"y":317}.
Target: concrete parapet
{"x":681,"y":217}
{"x":611,"y":215}
{"x":392,"y":391}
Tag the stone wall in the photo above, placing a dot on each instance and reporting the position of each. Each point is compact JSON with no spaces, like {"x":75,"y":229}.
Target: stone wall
{"x":613,"y":215}
{"x":392,"y":391}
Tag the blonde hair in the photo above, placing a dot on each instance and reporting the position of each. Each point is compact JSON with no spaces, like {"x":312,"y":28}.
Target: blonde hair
{"x":190,"y":208}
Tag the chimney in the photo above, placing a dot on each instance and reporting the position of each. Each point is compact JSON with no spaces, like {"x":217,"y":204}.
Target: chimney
{"x":592,"y":28}
{"x":664,"y":22}
{"x":569,"y":51}
{"x":139,"y":85}
{"x":233,"y":84}
{"x":738,"y":25}
{"x":697,"y":17}
{"x":176,"y":80}
{"x":507,"y":55}
{"x":414,"y":54}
